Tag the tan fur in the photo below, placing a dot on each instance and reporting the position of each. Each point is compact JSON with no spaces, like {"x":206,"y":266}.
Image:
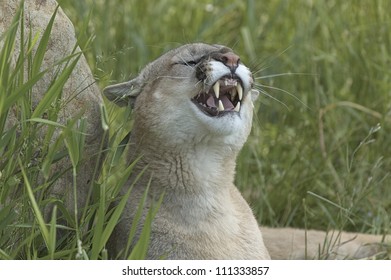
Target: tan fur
{"x":191,"y":158}
{"x":289,"y":243}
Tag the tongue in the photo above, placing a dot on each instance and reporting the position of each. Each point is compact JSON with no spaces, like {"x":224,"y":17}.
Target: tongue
{"x":211,"y":102}
{"x":228,"y":106}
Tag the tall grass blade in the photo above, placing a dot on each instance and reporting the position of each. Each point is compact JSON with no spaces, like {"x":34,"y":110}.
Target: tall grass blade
{"x":136,"y":221}
{"x":4,"y":255}
{"x":52,"y":233}
{"x":140,"y":250}
{"x":41,"y":49}
{"x":55,"y":90}
{"x":102,"y":234}
{"x":37,"y":212}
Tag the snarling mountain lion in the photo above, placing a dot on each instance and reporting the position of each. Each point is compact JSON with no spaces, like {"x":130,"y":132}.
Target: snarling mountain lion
{"x":193,"y":111}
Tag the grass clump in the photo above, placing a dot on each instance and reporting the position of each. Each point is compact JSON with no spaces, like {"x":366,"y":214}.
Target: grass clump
{"x":33,"y":223}
{"x":27,"y":151}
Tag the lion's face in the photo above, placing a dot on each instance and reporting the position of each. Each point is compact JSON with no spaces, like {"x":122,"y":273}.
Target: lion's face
{"x":194,"y":93}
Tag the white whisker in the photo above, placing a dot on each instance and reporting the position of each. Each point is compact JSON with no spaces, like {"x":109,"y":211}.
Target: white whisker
{"x":260,"y":70}
{"x":275,"y":99}
{"x":282,"y":74}
{"x":260,"y":86}
{"x":196,"y":84}
{"x":186,"y":61}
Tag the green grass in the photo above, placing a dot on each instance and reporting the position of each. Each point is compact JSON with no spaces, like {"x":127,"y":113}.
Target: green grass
{"x":319,"y":155}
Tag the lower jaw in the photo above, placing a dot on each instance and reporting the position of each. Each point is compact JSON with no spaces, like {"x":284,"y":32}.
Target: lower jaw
{"x":214,"y":112}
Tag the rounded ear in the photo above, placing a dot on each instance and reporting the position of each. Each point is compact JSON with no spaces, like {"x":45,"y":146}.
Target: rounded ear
{"x":123,"y":94}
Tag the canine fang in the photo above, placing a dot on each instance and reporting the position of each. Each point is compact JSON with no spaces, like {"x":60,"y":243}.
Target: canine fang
{"x":240,"y":91}
{"x":216,"y":89}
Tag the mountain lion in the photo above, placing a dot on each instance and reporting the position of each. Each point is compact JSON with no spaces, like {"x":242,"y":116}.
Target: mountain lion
{"x":192,"y":111}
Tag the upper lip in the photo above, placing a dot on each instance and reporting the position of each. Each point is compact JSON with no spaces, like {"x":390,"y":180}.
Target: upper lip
{"x":224,"y":96}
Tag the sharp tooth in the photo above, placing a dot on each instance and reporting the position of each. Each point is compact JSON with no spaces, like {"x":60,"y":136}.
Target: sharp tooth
{"x":237,"y":108}
{"x":216,"y":88}
{"x":233,"y":94}
{"x":221,"y":106}
{"x":240,"y":91}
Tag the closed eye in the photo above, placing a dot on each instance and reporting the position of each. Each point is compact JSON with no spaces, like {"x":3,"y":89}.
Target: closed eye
{"x":190,"y":63}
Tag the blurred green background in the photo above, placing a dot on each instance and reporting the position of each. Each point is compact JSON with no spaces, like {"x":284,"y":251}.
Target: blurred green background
{"x":319,"y":155}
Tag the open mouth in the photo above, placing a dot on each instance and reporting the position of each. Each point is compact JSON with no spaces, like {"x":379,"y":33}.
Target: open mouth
{"x":223,"y":97}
